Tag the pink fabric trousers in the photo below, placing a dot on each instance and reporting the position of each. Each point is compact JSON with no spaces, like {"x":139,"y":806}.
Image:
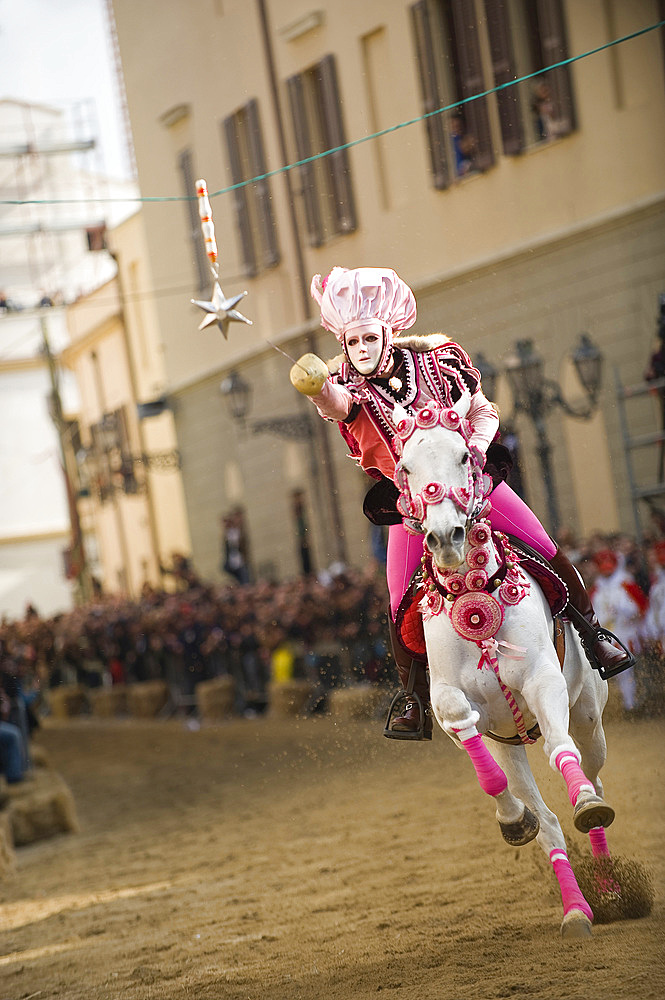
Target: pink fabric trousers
{"x":509,"y":513}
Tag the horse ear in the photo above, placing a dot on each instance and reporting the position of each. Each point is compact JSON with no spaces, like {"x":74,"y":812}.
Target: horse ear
{"x":463,"y":404}
{"x":399,"y":413}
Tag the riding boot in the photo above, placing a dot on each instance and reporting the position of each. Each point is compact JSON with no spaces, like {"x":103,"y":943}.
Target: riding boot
{"x":607,"y":656}
{"x":413,"y":676}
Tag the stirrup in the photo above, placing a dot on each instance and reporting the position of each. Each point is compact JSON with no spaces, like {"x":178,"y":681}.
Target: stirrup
{"x":589,"y":635}
{"x":414,"y":734}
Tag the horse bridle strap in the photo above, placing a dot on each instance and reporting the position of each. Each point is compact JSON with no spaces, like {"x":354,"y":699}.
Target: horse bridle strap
{"x":497,"y":578}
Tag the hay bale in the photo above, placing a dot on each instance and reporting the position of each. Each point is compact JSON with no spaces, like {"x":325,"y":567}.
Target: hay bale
{"x":291,"y":697}
{"x":362,"y":701}
{"x":7,"y":853}
{"x":40,"y":807}
{"x":109,"y":702}
{"x":67,"y":700}
{"x":215,"y":698}
{"x":147,"y":699}
{"x":39,"y":756}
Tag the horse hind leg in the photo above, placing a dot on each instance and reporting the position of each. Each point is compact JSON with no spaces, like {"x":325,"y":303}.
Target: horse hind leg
{"x":577,"y":914}
{"x":590,"y":809}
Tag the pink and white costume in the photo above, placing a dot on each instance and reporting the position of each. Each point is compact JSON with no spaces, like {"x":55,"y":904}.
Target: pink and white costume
{"x":414,"y":372}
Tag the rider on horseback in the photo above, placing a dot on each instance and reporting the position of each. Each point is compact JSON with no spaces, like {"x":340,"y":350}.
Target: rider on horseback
{"x":368,"y":309}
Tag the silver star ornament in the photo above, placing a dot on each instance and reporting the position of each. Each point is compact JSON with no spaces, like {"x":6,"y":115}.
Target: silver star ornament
{"x":221,"y":310}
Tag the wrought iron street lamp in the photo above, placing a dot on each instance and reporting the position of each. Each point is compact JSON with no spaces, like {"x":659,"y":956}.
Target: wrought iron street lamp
{"x":535,"y":395}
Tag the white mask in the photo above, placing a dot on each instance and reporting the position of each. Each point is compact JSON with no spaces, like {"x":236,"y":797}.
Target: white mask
{"x":364,"y":348}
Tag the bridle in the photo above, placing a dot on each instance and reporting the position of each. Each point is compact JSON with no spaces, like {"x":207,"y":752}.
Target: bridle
{"x":469,"y":498}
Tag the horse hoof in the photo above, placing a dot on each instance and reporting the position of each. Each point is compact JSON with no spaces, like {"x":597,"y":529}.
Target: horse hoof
{"x":522,"y":832}
{"x":591,"y":812}
{"x":575,"y":926}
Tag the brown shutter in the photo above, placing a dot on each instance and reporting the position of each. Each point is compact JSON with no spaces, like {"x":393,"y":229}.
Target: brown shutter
{"x":340,"y":173}
{"x":306,"y":172}
{"x":554,"y":48}
{"x":430,"y":93}
{"x":240,"y":195}
{"x":504,"y":70}
{"x":266,"y":219}
{"x":193,"y":219}
{"x":469,"y":65}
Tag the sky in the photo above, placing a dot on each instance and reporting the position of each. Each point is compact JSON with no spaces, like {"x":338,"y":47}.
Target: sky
{"x":58,"y":52}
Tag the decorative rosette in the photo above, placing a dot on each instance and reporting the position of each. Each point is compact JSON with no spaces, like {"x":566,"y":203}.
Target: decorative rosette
{"x":406,"y":427}
{"x":411,"y":506}
{"x":450,"y":419}
{"x":412,"y":527}
{"x":476,"y":579}
{"x":433,"y":601}
{"x":477,"y":558}
{"x":476,"y":616}
{"x":433,"y":493}
{"x":455,"y":583}
{"x":427,"y":417}
{"x":510,"y":593}
{"x":479,"y":535}
{"x":514,"y":574}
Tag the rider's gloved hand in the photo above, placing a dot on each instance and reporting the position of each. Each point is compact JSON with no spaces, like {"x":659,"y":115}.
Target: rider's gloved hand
{"x":309,"y":374}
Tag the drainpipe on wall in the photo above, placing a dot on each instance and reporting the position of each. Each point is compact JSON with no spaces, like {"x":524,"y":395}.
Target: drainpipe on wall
{"x":321,"y":439}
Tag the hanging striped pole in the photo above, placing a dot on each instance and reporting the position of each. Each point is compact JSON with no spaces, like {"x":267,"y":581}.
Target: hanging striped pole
{"x":207,"y":225}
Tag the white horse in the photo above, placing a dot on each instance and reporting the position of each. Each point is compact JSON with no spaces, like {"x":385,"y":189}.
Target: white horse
{"x":492,"y":662}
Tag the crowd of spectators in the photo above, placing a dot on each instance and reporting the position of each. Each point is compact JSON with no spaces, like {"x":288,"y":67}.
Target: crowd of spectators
{"x":331,"y":629}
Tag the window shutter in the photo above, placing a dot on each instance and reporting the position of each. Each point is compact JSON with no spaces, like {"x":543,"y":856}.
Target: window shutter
{"x":471,"y":78}
{"x":240,"y":196}
{"x":345,"y":212}
{"x":430,"y":93}
{"x":504,"y":70}
{"x":304,"y":149}
{"x":554,"y":49}
{"x":195,"y":235}
{"x":266,"y":219}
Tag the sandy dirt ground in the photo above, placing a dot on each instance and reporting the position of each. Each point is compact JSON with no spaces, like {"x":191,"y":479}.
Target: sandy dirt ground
{"x":292,"y":860}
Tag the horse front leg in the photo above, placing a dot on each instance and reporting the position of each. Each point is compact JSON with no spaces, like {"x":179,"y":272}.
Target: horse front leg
{"x":459,"y":720}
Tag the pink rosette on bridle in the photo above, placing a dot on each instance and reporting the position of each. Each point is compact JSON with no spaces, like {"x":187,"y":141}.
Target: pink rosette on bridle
{"x":450,"y":419}
{"x":476,"y":579}
{"x":405,"y":427}
{"x":455,"y":583}
{"x":477,"y":558}
{"x":479,"y":534}
{"x":510,"y":593}
{"x":476,"y":616}
{"x":427,"y":417}
{"x":433,"y":493}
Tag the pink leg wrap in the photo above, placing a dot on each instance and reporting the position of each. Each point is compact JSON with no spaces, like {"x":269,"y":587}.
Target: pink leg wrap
{"x":491,"y":777}
{"x":573,"y":775}
{"x":571,"y":895}
{"x":599,"y":847}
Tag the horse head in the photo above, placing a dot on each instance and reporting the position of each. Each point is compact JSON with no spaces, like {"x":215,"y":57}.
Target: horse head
{"x":438,"y":476}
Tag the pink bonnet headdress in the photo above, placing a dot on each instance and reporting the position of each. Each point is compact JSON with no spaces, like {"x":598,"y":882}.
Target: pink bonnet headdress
{"x":353,"y":298}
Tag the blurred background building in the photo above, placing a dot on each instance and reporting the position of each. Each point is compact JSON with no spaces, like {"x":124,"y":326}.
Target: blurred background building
{"x":533,"y":216}
{"x":529,"y":222}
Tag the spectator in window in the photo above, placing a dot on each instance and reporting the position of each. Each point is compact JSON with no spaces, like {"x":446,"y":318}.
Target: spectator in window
{"x":542,"y":109}
{"x":464,"y":145}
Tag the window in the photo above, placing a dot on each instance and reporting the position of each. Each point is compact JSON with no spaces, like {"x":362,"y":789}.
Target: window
{"x":253,"y":203}
{"x":318,"y":126}
{"x":525,"y":36}
{"x":449,"y":60}
{"x":186,"y":166}
{"x":520,"y":37}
